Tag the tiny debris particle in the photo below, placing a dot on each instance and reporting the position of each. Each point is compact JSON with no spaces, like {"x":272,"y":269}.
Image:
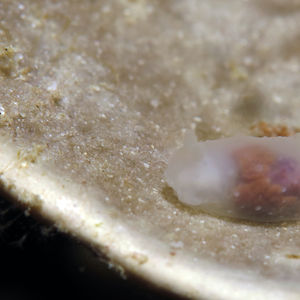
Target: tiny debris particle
{"x":139,"y":258}
{"x":7,"y":62}
{"x":293,"y":256}
{"x":29,"y":156}
{"x":55,"y":97}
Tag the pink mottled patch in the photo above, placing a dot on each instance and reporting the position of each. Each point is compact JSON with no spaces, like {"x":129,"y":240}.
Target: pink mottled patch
{"x":267,"y":185}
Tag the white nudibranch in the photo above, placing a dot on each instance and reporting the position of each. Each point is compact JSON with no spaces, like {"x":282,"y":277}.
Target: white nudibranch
{"x":242,"y":177}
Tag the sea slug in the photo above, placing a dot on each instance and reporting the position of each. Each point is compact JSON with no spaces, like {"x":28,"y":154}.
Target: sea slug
{"x":242,"y":177}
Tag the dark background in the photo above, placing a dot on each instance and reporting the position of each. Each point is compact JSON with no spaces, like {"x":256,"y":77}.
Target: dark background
{"x":37,"y":262}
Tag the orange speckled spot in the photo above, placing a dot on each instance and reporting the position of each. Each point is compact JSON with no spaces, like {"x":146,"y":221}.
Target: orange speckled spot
{"x":265,"y":129}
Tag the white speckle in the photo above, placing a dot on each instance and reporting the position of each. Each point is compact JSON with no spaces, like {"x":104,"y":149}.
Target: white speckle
{"x":95,"y":88}
{"x":65,"y":100}
{"x":141,"y":200}
{"x":154,"y":103}
{"x":277,"y":99}
{"x":183,"y":130}
{"x":19,"y":57}
{"x":120,"y":228}
{"x":139,"y":180}
{"x":177,"y":229}
{"x":146,"y":165}
{"x":21,"y":6}
{"x":155,"y":190}
{"x":232,"y":246}
{"x":106,"y":199}
{"x":198,"y":119}
{"x":258,"y":208}
{"x":52,"y":86}
{"x":2,"y":111}
{"x":177,"y":245}
{"x":217,"y":129}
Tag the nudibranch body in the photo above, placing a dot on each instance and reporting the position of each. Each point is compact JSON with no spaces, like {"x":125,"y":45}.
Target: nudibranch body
{"x":242,"y":177}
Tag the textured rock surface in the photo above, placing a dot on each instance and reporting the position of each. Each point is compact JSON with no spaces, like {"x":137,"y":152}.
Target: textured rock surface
{"x":100,"y":93}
